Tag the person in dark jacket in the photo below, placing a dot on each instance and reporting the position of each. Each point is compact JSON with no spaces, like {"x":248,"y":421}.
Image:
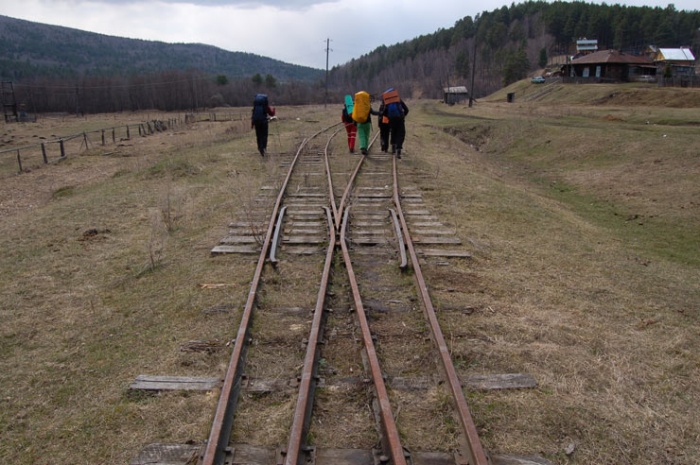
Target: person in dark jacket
{"x":397,"y":127}
{"x":259,"y":120}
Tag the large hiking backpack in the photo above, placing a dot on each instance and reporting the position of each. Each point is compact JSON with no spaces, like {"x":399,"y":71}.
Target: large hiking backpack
{"x":360,"y":110}
{"x":349,"y":104}
{"x":260,"y":107}
{"x":392,"y":104}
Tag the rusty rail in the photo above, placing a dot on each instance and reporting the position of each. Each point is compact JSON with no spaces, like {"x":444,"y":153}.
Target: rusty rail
{"x":220,"y":433}
{"x":388,"y":422}
{"x":403,"y":262}
{"x":331,"y":195}
{"x":475,"y":451}
{"x":304,"y":405}
{"x":348,"y":188}
{"x":277,"y":236}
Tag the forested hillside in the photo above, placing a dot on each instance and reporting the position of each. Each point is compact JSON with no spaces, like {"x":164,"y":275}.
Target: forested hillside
{"x":31,"y":50}
{"x":510,"y":42}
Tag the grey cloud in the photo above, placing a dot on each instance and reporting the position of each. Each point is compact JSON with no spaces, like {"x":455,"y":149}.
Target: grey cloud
{"x":281,"y":4}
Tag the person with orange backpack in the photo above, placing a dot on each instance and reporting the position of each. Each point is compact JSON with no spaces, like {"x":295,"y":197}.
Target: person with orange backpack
{"x":350,"y":125}
{"x":396,"y":110}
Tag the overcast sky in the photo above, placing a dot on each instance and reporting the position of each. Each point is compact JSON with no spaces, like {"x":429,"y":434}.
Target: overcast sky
{"x":294,"y":31}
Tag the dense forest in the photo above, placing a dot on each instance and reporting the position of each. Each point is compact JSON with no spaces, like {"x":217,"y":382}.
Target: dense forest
{"x":509,"y":43}
{"x":32,"y":50}
{"x":493,"y":49}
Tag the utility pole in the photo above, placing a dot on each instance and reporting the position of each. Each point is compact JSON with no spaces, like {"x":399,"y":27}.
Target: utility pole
{"x":328,"y":49}
{"x":471,"y":91}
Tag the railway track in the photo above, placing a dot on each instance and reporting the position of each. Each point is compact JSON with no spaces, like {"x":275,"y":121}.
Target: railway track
{"x":339,"y":357}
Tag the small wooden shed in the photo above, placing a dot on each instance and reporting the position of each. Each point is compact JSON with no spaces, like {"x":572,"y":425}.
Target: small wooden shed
{"x":454,"y":95}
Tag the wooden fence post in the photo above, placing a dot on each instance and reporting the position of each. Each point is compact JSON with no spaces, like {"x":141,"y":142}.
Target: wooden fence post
{"x":63,"y":149}
{"x":114,"y":137}
{"x":85,"y":139}
{"x":103,"y":137}
{"x":43,"y":153}
{"x":128,"y":133}
{"x":19,"y":161}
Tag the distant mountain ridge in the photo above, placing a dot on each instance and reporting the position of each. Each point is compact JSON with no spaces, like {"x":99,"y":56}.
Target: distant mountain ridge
{"x":29,"y":49}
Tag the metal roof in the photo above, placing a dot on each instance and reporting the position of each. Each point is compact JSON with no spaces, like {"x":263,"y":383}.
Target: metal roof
{"x":611,"y":56}
{"x":677,"y":54}
{"x":455,"y":90}
{"x":586,"y":44}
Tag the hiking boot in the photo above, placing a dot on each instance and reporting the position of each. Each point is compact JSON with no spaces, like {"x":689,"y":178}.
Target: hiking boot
{"x":393,"y":149}
{"x":364,"y":151}
{"x":398,"y":153}
{"x":262,"y":152}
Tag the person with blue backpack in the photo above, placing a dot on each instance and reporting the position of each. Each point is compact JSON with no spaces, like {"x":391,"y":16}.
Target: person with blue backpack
{"x":259,"y":120}
{"x":396,"y":110}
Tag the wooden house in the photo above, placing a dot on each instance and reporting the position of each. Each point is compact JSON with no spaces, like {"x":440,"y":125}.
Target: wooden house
{"x":609,"y":66}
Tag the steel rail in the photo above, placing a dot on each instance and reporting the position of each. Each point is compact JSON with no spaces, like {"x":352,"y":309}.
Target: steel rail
{"x":304,"y":405}
{"x":391,"y":433}
{"x":277,"y":236}
{"x":475,"y":452}
{"x":220,"y":433}
{"x":334,"y":207}
{"x":307,"y":383}
{"x":348,"y":188}
{"x":403,"y":262}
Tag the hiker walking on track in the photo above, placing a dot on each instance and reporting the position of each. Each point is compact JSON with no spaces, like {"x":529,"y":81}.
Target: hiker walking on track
{"x":361,"y":112}
{"x":259,"y":120}
{"x":384,"y":129}
{"x":350,"y":125}
{"x":396,"y":110}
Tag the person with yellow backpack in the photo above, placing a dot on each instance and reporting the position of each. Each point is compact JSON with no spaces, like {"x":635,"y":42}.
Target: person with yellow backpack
{"x":361,"y":114}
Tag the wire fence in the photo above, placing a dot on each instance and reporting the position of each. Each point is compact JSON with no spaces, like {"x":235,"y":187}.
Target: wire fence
{"x":30,"y":157}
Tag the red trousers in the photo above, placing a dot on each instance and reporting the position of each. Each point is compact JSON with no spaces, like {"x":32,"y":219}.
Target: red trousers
{"x":352,"y":135}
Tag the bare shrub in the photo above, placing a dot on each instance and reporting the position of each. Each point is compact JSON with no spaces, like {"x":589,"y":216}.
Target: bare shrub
{"x":157,"y":241}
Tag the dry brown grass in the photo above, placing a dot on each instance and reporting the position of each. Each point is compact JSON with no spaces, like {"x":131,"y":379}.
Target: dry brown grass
{"x":104,"y":258}
{"x":586,"y":276}
{"x":104,"y":262}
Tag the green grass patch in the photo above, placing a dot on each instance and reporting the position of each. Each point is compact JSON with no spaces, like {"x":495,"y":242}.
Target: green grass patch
{"x":646,"y":235}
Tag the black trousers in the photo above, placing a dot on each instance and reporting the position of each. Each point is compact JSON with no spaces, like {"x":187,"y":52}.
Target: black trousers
{"x":398,"y":132}
{"x":261,"y":132}
{"x":384,"y":135}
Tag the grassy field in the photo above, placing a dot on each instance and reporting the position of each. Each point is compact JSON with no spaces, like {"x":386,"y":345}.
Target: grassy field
{"x":580,"y":205}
